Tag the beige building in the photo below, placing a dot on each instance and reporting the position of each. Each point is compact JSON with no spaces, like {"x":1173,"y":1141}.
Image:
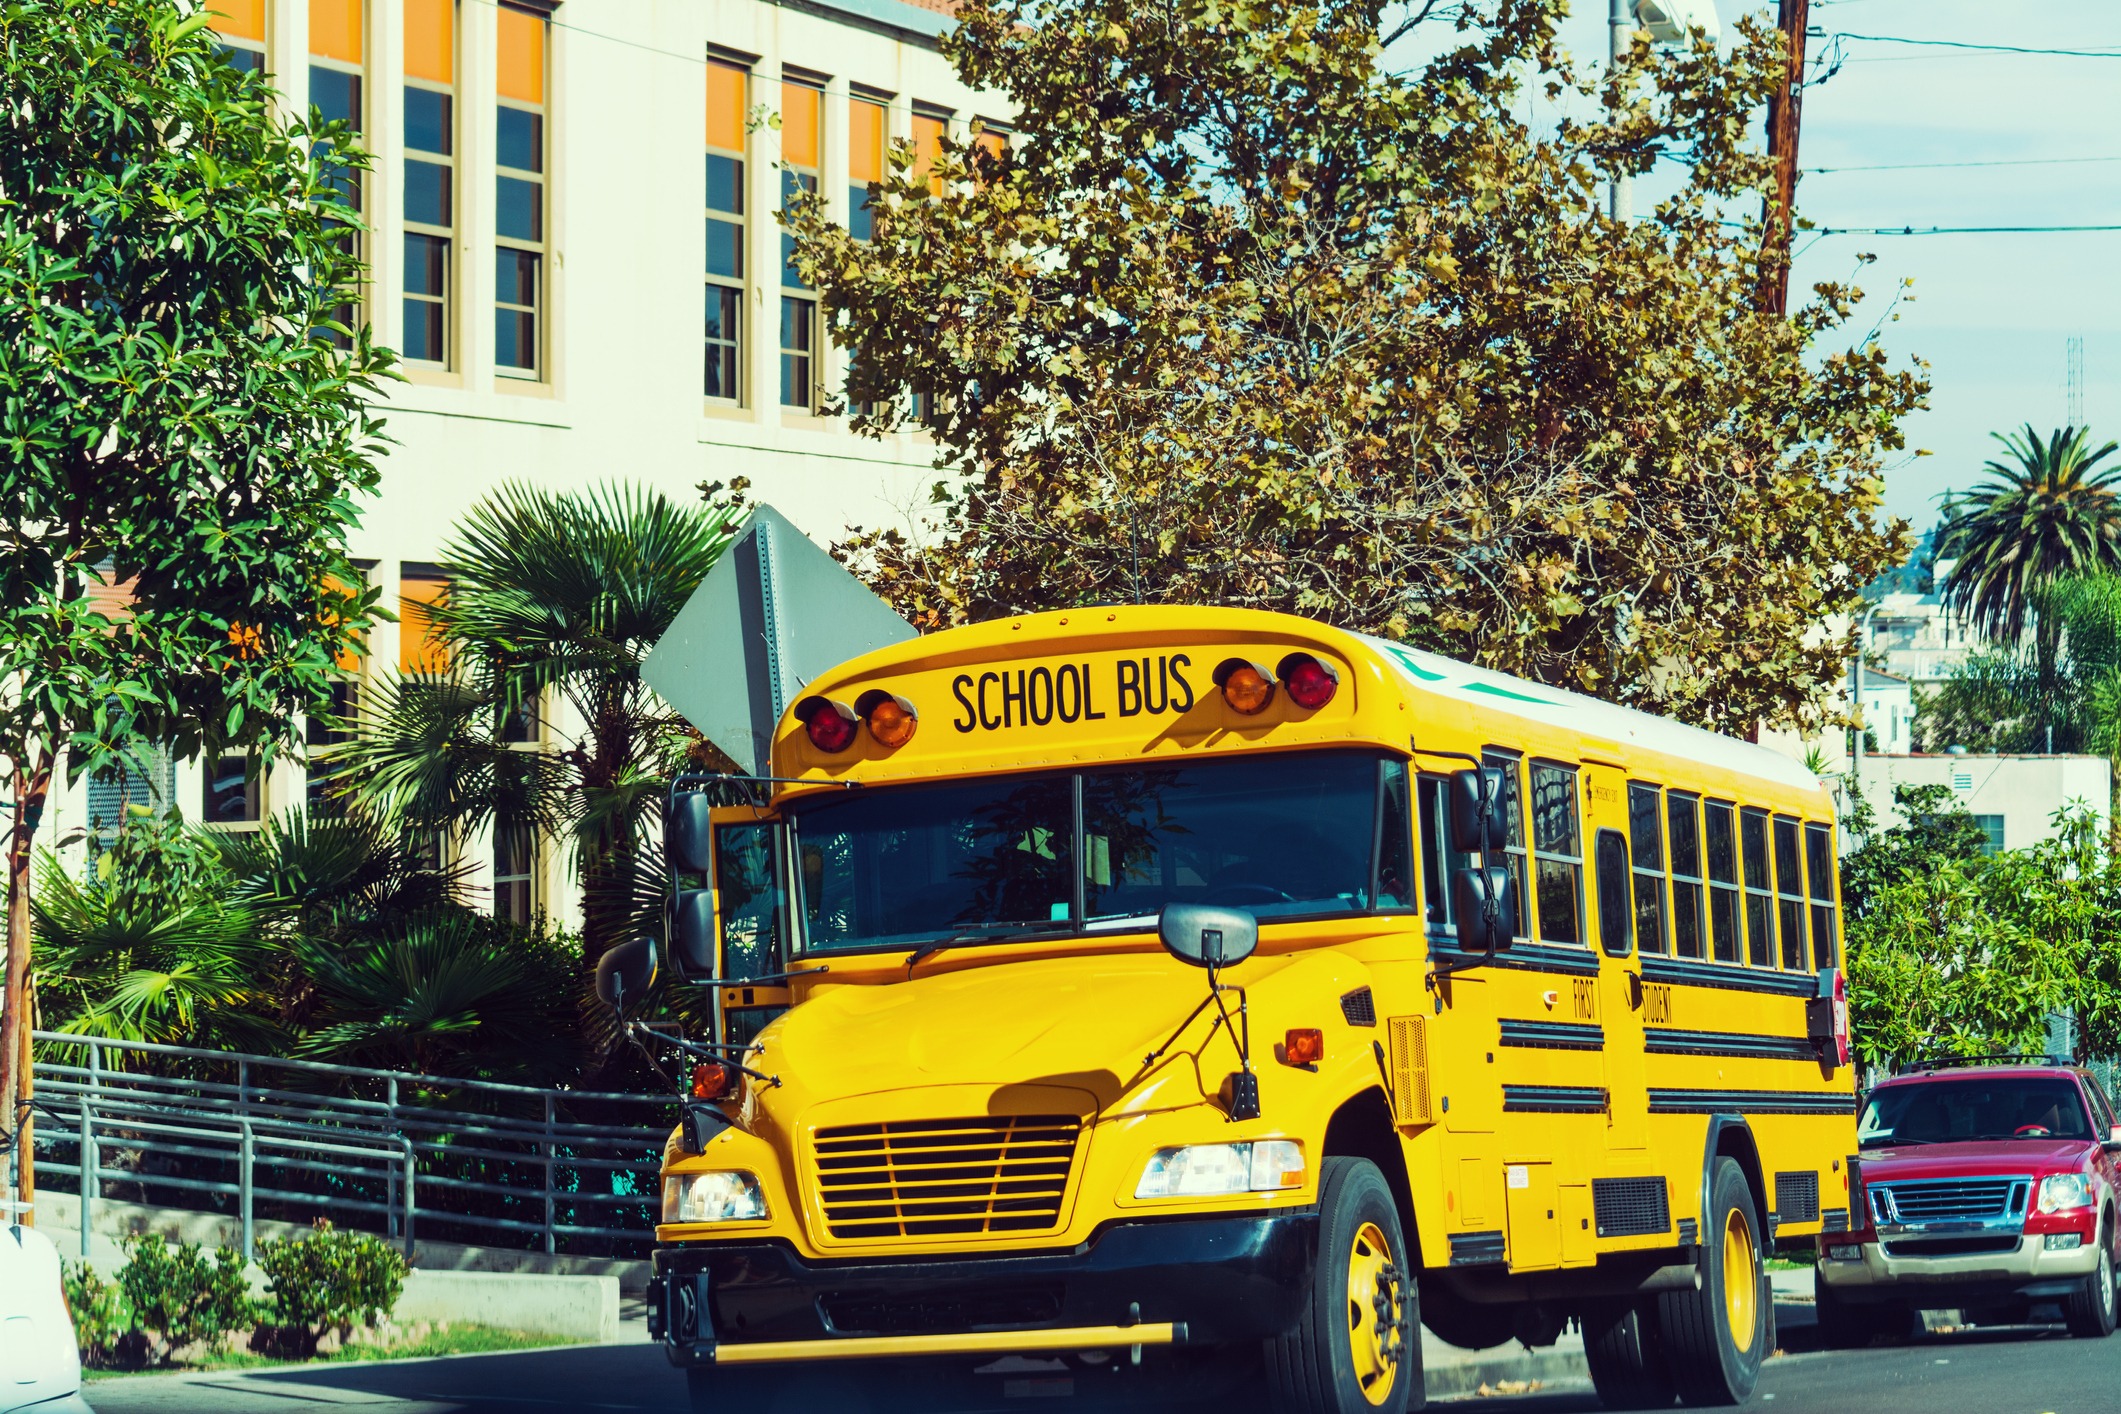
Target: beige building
{"x":573,"y":245}
{"x":2012,"y":798}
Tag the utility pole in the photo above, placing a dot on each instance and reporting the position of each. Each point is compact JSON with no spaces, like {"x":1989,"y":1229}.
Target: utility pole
{"x":1785,"y":111}
{"x":1620,"y":30}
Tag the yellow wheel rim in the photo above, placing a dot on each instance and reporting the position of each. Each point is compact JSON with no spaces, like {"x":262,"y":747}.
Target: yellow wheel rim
{"x":1741,"y":1279}
{"x":1374,"y":1319}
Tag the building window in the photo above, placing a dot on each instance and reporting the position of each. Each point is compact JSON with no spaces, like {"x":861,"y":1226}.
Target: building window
{"x":421,"y":649}
{"x":725,"y":230}
{"x":519,"y":195}
{"x":1646,"y":849}
{"x":146,"y":786}
{"x":515,"y":859}
{"x":1557,"y":853}
{"x":329,"y":727}
{"x":801,"y":111}
{"x":239,"y":25}
{"x":992,"y":143}
{"x":1683,"y":836}
{"x":1725,"y":905}
{"x":865,"y":162}
{"x":928,"y":130}
{"x":1992,"y":827}
{"x":336,"y":93}
{"x":1759,"y":899}
{"x":430,"y":180}
{"x":234,"y":794}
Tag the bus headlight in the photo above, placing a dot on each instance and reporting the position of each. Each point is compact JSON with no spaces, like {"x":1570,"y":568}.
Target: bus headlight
{"x":1201,"y":1170}
{"x":2060,"y":1192}
{"x":722,"y":1197}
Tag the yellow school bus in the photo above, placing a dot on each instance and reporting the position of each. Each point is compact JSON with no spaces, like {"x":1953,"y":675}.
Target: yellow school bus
{"x":1180,"y":1004}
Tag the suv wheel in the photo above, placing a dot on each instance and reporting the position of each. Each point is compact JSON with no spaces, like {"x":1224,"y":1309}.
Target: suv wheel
{"x":2089,"y":1310}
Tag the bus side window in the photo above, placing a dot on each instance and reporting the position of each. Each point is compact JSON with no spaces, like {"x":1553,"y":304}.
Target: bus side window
{"x":1789,"y":890}
{"x":1723,"y":881}
{"x":1646,"y":831}
{"x":1819,"y":856}
{"x":1759,"y":896}
{"x":1557,"y":853}
{"x":1513,"y":810}
{"x":1616,"y":907}
{"x":1438,"y":860}
{"x":1684,"y":814}
{"x":1394,"y":884}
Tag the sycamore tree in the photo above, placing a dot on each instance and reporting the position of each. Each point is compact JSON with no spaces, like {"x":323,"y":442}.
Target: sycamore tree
{"x":183,"y":418}
{"x":1250,"y":314}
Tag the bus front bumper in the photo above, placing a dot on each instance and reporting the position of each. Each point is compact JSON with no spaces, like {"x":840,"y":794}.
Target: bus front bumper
{"x":1170,"y":1282}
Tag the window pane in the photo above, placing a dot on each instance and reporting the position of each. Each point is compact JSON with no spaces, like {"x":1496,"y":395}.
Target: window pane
{"x":1615,"y":905}
{"x":725,"y":249}
{"x":520,"y":139}
{"x":1756,"y":858}
{"x":335,"y":95}
{"x":1760,"y":929}
{"x":515,"y":338}
{"x":1790,"y":884}
{"x":428,"y":125}
{"x":1554,"y":810}
{"x":250,"y":61}
{"x":426,"y":265}
{"x":723,"y":311}
{"x":423,"y":330}
{"x":517,"y":276}
{"x":1723,"y":844}
{"x":427,"y":193}
{"x":1819,"y":861}
{"x":1395,"y":846}
{"x":861,"y":221}
{"x":1684,"y":838}
{"x":1645,"y":829}
{"x":1723,"y":921}
{"x":231,"y":791}
{"x":725,"y":184}
{"x":1557,"y":902}
{"x":1685,"y":835}
{"x":747,"y":878}
{"x":519,"y":211}
{"x":1434,"y":893}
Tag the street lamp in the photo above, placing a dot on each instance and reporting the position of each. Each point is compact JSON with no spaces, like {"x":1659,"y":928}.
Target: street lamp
{"x":1669,"y":22}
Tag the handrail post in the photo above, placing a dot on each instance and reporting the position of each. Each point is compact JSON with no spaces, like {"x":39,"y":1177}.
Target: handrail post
{"x":409,"y":1205}
{"x":550,"y":1245}
{"x":91,"y":1185}
{"x":246,"y":1158}
{"x":390,"y":1178}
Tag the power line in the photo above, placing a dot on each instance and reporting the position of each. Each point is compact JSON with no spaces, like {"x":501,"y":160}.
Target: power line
{"x":1954,"y":230}
{"x":1931,"y":166}
{"x":1988,"y":48}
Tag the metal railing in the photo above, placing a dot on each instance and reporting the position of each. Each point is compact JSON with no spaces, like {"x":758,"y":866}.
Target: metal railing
{"x":260,"y":1137}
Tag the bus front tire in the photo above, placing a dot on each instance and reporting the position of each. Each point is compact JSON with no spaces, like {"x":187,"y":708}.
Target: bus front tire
{"x":1356,"y":1348}
{"x":1628,"y":1369}
{"x":1716,"y":1335}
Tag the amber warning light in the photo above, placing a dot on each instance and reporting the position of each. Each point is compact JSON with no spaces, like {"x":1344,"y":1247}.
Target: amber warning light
{"x":710,"y":1081}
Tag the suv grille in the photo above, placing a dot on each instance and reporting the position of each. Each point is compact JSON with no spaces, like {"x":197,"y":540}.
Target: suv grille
{"x":1949,"y":1200}
{"x":938,"y":1177}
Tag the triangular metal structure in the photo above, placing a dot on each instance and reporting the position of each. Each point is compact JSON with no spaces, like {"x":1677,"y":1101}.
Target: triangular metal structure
{"x":773,"y":613}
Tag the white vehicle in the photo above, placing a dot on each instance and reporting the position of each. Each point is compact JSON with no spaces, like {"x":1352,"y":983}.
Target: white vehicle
{"x":40,"y":1368}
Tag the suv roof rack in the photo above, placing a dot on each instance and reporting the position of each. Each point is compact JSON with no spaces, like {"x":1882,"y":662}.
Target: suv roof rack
{"x":1945,"y":1060}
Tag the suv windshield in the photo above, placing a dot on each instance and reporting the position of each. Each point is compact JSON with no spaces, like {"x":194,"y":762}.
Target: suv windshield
{"x":1072,"y":852}
{"x":1962,"y":1111}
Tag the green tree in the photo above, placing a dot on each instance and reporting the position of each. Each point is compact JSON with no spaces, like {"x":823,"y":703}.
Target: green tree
{"x":1252,"y":316}
{"x":542,"y":721}
{"x":2047,"y":514}
{"x":2020,"y":699}
{"x":181,"y":444}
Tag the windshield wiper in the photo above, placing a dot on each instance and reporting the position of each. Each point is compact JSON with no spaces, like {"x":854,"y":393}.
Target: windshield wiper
{"x":988,"y":933}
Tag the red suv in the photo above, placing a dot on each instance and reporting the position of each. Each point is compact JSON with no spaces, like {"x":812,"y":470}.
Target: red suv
{"x":1992,"y":1189}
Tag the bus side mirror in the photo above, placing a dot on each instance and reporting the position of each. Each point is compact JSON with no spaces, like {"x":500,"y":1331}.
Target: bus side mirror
{"x":1205,"y":936}
{"x":625,"y":973}
{"x":692,"y":934}
{"x":688,"y":835}
{"x":1484,"y":906}
{"x":1477,"y":823}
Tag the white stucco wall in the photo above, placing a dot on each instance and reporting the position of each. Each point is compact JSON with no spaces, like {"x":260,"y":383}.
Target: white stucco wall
{"x":2024,"y":791}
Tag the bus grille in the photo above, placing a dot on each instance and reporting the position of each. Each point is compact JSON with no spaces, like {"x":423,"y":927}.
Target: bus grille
{"x":945,"y":1177}
{"x":1949,"y":1199}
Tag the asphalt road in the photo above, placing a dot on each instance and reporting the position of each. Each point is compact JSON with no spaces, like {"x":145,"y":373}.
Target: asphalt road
{"x":2028,"y":1371}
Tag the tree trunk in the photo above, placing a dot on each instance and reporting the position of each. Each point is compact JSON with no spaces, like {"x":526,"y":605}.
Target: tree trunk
{"x":30,"y":786}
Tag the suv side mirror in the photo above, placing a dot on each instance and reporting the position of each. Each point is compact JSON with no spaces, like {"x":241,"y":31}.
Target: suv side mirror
{"x":2113,"y":1140}
{"x":625,"y":973}
{"x":688,"y":833}
{"x":1206,"y":936}
{"x":1477,"y":823}
{"x":1484,"y":908}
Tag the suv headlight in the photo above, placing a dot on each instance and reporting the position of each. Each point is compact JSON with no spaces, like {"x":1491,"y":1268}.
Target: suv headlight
{"x":1198,"y":1170}
{"x":2062,"y":1191}
{"x":721,"y":1197}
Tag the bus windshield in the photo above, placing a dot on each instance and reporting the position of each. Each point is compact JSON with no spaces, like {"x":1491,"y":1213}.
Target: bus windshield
{"x":1084,"y":852}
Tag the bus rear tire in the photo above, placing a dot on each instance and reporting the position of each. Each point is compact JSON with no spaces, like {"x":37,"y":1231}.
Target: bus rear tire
{"x":1716,"y":1335}
{"x":1356,"y":1349}
{"x":1628,"y":1369}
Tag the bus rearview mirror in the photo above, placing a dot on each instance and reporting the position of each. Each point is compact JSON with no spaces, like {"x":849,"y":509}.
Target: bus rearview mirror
{"x":688,"y":835}
{"x":1477,"y":823}
{"x":692,"y":934}
{"x":1206,"y":936}
{"x":625,"y":973}
{"x":1484,"y":908}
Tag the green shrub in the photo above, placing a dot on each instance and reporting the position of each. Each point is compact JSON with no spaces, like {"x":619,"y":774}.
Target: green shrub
{"x":329,"y":1280}
{"x":179,"y":1295}
{"x":101,"y":1320}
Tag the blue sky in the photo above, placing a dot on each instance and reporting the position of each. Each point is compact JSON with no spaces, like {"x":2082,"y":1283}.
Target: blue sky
{"x":1991,"y":314}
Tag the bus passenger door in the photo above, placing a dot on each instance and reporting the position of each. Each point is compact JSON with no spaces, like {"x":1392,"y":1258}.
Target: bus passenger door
{"x":1620,"y":975}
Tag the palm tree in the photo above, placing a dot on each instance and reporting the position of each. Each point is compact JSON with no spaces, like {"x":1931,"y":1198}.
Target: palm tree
{"x":554,"y":599}
{"x":2046,"y":515}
